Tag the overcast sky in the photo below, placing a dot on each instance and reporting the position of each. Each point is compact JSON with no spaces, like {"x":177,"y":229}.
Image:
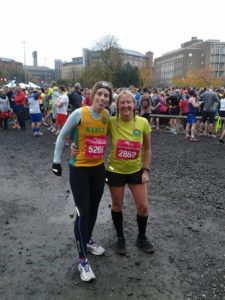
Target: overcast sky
{"x":61,"y":28}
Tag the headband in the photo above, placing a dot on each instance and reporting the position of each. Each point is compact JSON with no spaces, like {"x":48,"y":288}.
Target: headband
{"x":104,"y":85}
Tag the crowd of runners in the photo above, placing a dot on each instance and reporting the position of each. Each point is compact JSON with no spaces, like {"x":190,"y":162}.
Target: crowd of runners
{"x":194,"y":112}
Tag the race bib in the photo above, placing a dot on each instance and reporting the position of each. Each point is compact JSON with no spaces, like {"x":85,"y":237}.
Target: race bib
{"x":95,"y":147}
{"x":127,"y":149}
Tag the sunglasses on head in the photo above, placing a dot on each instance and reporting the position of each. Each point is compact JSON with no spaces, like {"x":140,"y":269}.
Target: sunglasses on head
{"x":104,"y":85}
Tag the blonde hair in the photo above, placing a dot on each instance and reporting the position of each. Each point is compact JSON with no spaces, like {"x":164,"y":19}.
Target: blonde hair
{"x":129,"y":94}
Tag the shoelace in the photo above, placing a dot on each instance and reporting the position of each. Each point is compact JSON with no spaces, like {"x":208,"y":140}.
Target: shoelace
{"x":92,"y":243}
{"x":85,"y":265}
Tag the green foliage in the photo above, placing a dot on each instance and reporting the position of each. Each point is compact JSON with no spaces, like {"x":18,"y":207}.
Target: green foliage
{"x":65,"y":82}
{"x":125,"y":76}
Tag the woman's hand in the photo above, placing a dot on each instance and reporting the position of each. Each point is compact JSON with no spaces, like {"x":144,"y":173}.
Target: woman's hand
{"x":145,"y":176}
{"x":73,"y":149}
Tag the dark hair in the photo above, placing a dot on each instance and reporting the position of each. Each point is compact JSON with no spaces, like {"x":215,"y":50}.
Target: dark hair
{"x":99,"y":85}
{"x":62,"y":88}
{"x":192,"y":93}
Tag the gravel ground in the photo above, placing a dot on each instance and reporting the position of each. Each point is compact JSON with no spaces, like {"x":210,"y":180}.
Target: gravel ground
{"x":38,"y":257}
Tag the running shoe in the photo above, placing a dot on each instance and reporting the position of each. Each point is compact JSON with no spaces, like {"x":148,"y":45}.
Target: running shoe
{"x":220,"y":142}
{"x":39,"y":133}
{"x":121,"y":246}
{"x":52,"y":130}
{"x":194,"y":140}
{"x":212,"y":135}
{"x":145,"y":245}
{"x":86,"y":273}
{"x":35,"y":134}
{"x":15,"y":125}
{"x":94,"y":248}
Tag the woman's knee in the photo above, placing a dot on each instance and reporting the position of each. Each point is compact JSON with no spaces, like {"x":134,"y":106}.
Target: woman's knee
{"x":117,"y":205}
{"x":143,"y":210}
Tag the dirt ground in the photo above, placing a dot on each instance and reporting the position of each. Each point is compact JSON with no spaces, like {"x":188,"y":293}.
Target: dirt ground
{"x":38,"y":257}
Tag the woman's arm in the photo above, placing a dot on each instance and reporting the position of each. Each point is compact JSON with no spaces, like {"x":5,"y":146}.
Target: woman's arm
{"x":147,"y":155}
{"x":72,"y":122}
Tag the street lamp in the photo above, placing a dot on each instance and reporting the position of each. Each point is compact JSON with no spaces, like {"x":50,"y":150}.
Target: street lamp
{"x":24,"y":53}
{"x":24,"y":59}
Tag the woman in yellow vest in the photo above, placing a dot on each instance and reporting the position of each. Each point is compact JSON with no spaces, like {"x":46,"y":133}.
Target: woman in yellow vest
{"x":88,"y":126}
{"x":129,"y":164}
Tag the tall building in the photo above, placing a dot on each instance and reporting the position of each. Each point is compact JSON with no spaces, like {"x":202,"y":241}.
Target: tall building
{"x":58,"y":69}
{"x":72,"y":70}
{"x":35,"y":61}
{"x":39,"y":75}
{"x":195,"y":54}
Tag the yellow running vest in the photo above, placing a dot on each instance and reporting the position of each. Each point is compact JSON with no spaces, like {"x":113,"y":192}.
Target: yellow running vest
{"x":90,"y":138}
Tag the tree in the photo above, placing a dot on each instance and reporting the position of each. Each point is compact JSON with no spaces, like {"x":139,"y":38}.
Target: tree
{"x":109,"y":58}
{"x":109,"y":49}
{"x":64,"y":82}
{"x":145,"y":76}
{"x":126,"y":75}
{"x":198,"y":78}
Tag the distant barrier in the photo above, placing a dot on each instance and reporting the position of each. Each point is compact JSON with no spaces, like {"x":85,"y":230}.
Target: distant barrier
{"x":177,"y":116}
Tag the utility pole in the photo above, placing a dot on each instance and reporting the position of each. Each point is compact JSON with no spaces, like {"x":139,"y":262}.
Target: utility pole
{"x":24,"y":59}
{"x":24,"y":53}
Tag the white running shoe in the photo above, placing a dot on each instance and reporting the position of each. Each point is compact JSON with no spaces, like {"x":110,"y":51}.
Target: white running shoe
{"x":39,"y":133}
{"x":86,"y":273}
{"x":94,"y":248}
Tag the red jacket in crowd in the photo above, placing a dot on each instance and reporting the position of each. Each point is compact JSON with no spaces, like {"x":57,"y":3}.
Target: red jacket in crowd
{"x":20,"y":98}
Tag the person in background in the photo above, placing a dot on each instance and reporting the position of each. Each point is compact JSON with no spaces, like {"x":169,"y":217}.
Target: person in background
{"x":221,"y":141}
{"x":62,"y":110}
{"x":129,"y":164}
{"x":163,"y":108}
{"x":87,"y":100}
{"x":75,"y":97}
{"x":5,"y":110}
{"x":183,"y":104}
{"x":145,"y":105}
{"x":173,"y":101}
{"x":193,"y":105}
{"x":41,"y":102}
{"x":222,"y":108}
{"x":35,"y":112}
{"x":19,"y":100}
{"x":210,"y":100}
{"x":137,"y":98}
{"x":55,"y":96}
{"x":88,"y":125}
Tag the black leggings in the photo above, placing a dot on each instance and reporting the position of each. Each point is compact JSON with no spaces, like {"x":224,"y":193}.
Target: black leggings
{"x":87,"y":185}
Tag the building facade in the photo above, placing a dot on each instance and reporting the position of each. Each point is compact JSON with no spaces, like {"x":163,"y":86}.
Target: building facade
{"x":193,"y":55}
{"x":10,"y":69}
{"x":72,"y":70}
{"x":39,"y":75}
